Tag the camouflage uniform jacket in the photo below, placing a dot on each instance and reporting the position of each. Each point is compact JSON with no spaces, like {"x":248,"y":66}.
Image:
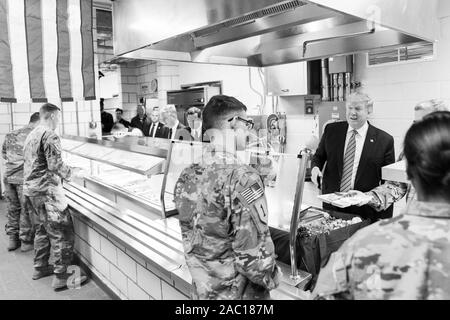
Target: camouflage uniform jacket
{"x":407,"y":257}
{"x":390,"y":192}
{"x":223,"y":220}
{"x":44,"y":168}
{"x":12,"y":152}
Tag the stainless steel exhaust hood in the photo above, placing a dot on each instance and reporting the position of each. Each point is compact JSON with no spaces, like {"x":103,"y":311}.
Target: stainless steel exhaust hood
{"x":267,"y":32}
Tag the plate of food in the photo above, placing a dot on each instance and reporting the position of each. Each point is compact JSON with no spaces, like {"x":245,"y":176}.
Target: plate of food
{"x":344,"y":199}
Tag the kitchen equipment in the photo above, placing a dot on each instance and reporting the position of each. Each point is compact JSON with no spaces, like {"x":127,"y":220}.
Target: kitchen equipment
{"x":330,"y":112}
{"x":267,"y":32}
{"x":196,"y":96}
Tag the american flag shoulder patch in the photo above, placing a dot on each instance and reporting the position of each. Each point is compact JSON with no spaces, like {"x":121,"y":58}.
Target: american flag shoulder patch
{"x":252,"y":193}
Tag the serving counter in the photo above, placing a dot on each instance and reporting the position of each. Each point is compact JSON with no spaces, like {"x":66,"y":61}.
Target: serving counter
{"x":136,"y":257}
{"x":128,"y":171}
{"x":123,"y":210}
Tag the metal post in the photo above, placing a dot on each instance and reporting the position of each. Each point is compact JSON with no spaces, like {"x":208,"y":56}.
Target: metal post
{"x":12,"y":116}
{"x":62,"y":118}
{"x":296,"y":214}
{"x":78,"y":121}
{"x":164,"y":182}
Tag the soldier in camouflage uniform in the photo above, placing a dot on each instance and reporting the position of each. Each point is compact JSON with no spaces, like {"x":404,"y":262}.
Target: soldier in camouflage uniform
{"x":19,"y":227}
{"x":407,"y":257}
{"x":223,"y":215}
{"x":391,"y":191}
{"x":44,"y":171}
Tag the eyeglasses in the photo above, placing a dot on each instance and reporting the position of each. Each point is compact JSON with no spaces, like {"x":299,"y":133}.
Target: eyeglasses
{"x":249,"y":123}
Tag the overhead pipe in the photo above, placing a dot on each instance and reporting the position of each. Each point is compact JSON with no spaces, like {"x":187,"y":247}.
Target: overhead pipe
{"x":325,"y":81}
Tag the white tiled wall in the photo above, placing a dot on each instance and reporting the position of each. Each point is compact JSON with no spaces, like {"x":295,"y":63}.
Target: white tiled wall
{"x":235,"y":81}
{"x":396,"y":89}
{"x":124,"y":271}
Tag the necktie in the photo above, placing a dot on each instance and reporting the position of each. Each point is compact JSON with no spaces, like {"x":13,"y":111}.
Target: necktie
{"x":170,"y":133}
{"x":349,"y":160}
{"x":151,"y":130}
{"x":196,"y":135}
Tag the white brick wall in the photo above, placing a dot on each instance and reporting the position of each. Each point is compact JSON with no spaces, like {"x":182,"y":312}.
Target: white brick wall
{"x":108,"y":250}
{"x":135,"y":292}
{"x":4,"y":108}
{"x":126,"y":265}
{"x":395,"y":89}
{"x":170,"y":293}
{"x":122,"y":269}
{"x":5,"y":119}
{"x":149,"y":282}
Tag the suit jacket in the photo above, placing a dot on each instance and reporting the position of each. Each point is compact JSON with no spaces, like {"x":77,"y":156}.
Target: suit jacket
{"x":143,"y":126}
{"x":378,"y":151}
{"x":160,"y":130}
{"x":125,"y":123}
{"x":182,"y":133}
{"x":107,"y":121}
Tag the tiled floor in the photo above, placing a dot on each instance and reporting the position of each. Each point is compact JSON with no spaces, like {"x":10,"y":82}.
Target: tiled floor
{"x":16,"y":269}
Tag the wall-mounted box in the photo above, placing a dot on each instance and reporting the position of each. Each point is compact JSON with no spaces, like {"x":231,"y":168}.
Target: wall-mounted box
{"x":294,"y":79}
{"x":340,"y":64}
{"x":287,"y":79}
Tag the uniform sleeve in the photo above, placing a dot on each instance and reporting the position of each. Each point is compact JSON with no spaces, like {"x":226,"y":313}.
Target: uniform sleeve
{"x":52,"y":150}
{"x":4,"y":148}
{"x":387,"y":194}
{"x":252,"y":245}
{"x":333,"y":281}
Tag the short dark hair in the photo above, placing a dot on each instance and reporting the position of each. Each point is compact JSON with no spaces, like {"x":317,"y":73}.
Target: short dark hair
{"x":34,"y":117}
{"x":427,"y":152}
{"x":47,"y":109}
{"x":119,"y":110}
{"x":194,"y":110}
{"x":218,"y":109}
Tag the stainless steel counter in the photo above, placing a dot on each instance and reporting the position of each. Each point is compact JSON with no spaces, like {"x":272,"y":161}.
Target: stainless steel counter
{"x":157,"y":241}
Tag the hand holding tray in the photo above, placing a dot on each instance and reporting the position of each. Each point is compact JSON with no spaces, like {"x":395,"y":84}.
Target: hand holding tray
{"x":344,"y":199}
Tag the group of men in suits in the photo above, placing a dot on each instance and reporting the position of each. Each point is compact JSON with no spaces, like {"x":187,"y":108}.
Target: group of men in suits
{"x":165,"y":123}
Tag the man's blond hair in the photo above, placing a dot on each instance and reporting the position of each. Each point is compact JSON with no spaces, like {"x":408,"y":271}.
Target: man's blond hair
{"x":430,"y":106}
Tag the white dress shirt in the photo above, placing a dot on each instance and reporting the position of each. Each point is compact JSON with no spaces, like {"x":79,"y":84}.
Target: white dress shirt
{"x":360,"y":138}
{"x":174,"y":130}
{"x":197,"y":133}
{"x":155,"y":126}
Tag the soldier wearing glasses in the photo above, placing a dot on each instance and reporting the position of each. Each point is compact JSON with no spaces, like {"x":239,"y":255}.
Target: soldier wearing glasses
{"x":223,"y":213}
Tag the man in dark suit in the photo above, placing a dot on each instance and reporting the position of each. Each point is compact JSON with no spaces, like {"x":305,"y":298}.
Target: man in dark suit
{"x":157,"y":128}
{"x":106,"y":119}
{"x":174,"y":129}
{"x":353,"y":154}
{"x":141,"y":121}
